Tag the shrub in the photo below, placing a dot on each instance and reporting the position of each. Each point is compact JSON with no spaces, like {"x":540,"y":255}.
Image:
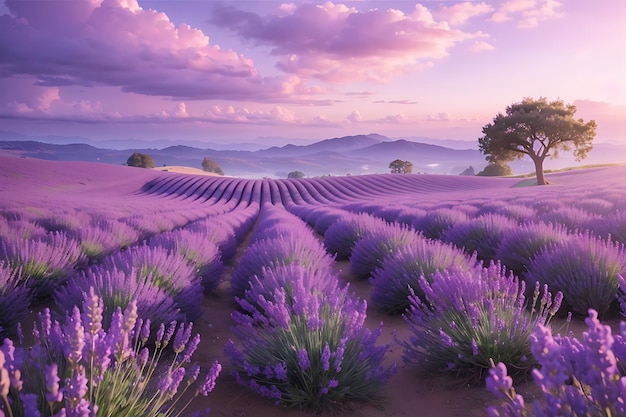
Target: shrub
{"x":209,"y":165}
{"x":576,"y":377}
{"x":304,"y":250}
{"x":481,"y":235}
{"x":140,"y":160}
{"x":78,"y":368}
{"x":437,"y":221}
{"x":520,"y":245}
{"x":402,"y":270}
{"x":342,"y":235}
{"x":167,"y":270}
{"x":573,"y":218}
{"x":370,"y":251}
{"x":496,"y":170}
{"x":286,"y":277}
{"x":219,"y":232}
{"x":15,"y":298}
{"x":613,"y":227}
{"x":47,"y":262}
{"x":470,"y":318}
{"x":95,"y":242}
{"x":312,"y":350}
{"x":117,"y":288}
{"x":585,"y":268}
{"x":203,"y":255}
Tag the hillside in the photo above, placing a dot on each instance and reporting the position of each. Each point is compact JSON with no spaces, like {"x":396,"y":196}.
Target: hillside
{"x":349,"y":155}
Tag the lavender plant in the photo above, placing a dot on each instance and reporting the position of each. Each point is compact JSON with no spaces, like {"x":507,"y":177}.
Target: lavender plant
{"x":520,"y":245}
{"x":402,"y":270}
{"x":435,"y":222}
{"x":470,"y":318}
{"x":47,"y":262}
{"x":585,"y":268}
{"x":205,"y":256}
{"x":167,"y":269}
{"x":308,"y":350}
{"x":481,"y":235}
{"x":577,"y":377}
{"x":77,"y":368}
{"x":286,"y":277}
{"x":573,"y":218}
{"x":303,"y":250}
{"x":117,"y":288}
{"x":342,"y":235}
{"x":15,"y":298}
{"x":370,"y":252}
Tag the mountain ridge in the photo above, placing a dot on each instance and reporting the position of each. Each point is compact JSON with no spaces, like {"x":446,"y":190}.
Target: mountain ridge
{"x":347,"y":155}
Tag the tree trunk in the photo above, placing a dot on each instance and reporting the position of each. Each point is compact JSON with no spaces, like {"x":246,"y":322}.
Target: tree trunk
{"x":541,"y":179}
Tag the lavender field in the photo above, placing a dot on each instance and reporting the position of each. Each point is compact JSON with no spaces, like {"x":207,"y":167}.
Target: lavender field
{"x":371,"y":295}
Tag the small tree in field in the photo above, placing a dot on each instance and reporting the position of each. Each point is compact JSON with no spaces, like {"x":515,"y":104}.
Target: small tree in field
{"x":499,"y":169}
{"x":401,"y":167}
{"x":296,"y":174}
{"x":209,"y":165}
{"x":539,"y":129}
{"x":140,"y":160}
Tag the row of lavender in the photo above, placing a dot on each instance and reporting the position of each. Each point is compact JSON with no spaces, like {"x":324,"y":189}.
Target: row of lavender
{"x":457,"y":319}
{"x":120,"y":285}
{"x":499,"y":291}
{"x":301,"y":338}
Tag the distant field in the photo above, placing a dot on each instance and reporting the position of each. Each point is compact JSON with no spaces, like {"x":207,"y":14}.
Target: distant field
{"x":112,"y":212}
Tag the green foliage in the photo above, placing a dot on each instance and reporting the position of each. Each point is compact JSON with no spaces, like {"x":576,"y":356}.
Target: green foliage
{"x":296,"y":174}
{"x":209,"y":165}
{"x":401,"y":167}
{"x":539,"y":129}
{"x":498,"y":169}
{"x":140,"y":160}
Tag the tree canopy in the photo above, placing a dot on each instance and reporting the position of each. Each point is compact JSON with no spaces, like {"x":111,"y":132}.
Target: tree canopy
{"x":401,"y":167}
{"x":497,"y":169}
{"x":539,"y":129}
{"x":296,"y":174}
{"x":209,"y":165}
{"x":140,"y":160}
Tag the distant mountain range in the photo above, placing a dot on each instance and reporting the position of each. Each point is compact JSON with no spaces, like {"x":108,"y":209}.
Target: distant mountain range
{"x":354,"y":155}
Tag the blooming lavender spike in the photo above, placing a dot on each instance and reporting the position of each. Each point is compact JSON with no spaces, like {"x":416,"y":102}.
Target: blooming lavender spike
{"x":209,"y":382}
{"x":52,"y":379}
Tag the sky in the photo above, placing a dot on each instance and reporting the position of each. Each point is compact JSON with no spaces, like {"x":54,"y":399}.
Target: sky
{"x":254,"y":71}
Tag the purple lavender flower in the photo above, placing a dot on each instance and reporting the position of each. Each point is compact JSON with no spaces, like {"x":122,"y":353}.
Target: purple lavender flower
{"x":469,"y":318}
{"x":585,"y":268}
{"x":371,"y":251}
{"x":342,"y":235}
{"x":15,"y":297}
{"x":481,"y":235}
{"x":75,"y":336}
{"x":209,"y":382}
{"x":403,"y":269}
{"x":326,"y":357}
{"x":303,"y":360}
{"x":52,"y":383}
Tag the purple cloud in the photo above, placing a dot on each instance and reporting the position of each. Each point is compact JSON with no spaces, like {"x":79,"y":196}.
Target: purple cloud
{"x":117,"y":43}
{"x":335,"y":43}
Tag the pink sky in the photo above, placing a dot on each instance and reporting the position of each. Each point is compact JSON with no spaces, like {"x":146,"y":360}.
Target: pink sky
{"x":242,"y":70}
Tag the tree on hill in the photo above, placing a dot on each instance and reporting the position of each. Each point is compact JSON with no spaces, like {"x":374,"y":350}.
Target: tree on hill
{"x":140,"y":160}
{"x":498,"y":169}
{"x":401,"y":167}
{"x":539,"y":129}
{"x":209,"y":165}
{"x":296,"y":174}
{"x":468,"y":171}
